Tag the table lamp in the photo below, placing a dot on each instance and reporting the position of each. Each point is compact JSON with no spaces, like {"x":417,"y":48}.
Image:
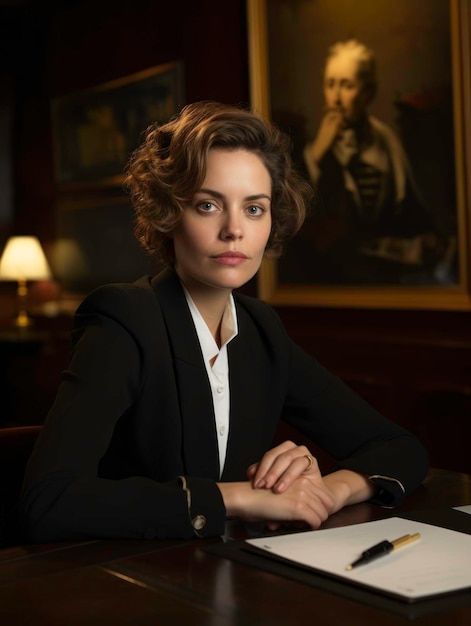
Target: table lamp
{"x":23,"y":259}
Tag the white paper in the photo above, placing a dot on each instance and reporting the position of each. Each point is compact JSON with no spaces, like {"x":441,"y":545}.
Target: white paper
{"x":440,"y":561}
{"x":465,"y":509}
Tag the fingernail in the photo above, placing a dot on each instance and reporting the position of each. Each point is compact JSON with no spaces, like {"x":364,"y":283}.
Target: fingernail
{"x":260,"y":484}
{"x":280,"y":486}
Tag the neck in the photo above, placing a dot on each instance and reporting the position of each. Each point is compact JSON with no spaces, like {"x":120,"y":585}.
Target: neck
{"x":211,"y":303}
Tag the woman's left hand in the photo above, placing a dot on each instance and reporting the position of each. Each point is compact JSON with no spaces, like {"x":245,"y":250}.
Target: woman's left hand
{"x":282,"y":465}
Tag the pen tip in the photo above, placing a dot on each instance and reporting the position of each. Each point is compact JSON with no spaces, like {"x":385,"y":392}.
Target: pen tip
{"x":349,"y":567}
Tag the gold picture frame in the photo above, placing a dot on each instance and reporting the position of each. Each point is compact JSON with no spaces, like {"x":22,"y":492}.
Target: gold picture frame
{"x":264,"y":17}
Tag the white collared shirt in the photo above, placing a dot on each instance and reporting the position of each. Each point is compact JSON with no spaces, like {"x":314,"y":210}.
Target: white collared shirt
{"x":218,"y":373}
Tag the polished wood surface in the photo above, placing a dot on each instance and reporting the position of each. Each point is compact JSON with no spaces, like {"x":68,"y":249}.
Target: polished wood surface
{"x":172,"y":582}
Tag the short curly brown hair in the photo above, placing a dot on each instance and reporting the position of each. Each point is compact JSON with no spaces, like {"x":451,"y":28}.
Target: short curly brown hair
{"x":170,"y":166}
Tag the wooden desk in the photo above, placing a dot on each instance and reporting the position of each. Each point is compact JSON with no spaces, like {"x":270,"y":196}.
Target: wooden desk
{"x":175,"y":582}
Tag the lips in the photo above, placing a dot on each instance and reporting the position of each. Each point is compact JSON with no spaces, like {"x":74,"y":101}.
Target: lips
{"x":230,"y":258}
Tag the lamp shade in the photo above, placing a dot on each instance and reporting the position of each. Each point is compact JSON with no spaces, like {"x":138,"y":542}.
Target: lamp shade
{"x":24,"y":259}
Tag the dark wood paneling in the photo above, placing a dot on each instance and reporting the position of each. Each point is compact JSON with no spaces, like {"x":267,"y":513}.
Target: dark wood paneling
{"x":414,"y":367}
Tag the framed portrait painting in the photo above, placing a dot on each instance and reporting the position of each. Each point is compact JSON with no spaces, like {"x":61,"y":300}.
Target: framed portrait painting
{"x":376,"y":97}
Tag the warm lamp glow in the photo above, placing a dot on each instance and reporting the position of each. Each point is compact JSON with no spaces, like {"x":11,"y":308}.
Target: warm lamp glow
{"x":23,"y":259}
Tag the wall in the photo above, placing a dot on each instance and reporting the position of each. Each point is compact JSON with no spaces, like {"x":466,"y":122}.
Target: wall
{"x":80,"y":45}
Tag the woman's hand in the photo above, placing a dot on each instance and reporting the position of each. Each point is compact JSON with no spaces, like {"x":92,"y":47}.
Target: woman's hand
{"x":302,"y":502}
{"x":291,"y":467}
{"x":281,"y":466}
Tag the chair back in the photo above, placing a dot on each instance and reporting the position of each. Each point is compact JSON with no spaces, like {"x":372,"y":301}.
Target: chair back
{"x":16,"y":445}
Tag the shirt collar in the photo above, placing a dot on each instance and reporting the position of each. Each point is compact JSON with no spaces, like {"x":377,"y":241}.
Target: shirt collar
{"x":229,"y":327}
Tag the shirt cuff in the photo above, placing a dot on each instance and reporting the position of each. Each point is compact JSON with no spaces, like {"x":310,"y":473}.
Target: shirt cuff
{"x":390,"y":492}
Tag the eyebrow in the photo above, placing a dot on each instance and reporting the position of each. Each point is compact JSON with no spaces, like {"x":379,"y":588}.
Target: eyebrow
{"x":218,"y":194}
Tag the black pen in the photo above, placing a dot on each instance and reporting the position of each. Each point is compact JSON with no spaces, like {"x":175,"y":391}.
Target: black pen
{"x":383,"y":548}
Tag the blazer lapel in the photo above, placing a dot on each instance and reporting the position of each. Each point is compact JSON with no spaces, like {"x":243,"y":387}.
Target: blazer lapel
{"x":199,"y":444}
{"x":252,"y":426}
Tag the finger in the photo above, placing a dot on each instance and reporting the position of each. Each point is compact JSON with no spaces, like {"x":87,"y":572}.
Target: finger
{"x":267,"y":462}
{"x":313,"y":515}
{"x":317,"y":516}
{"x":334,"y":115}
{"x":324,"y":497}
{"x":311,"y":501}
{"x":315,"y":488}
{"x":303,"y":465}
{"x":276,"y":466}
{"x":302,"y":503}
{"x":251,"y":471}
{"x":315,"y":508}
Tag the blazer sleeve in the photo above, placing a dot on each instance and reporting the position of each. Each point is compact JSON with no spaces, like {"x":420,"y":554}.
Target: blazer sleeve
{"x":327,"y":411}
{"x":64,"y":494}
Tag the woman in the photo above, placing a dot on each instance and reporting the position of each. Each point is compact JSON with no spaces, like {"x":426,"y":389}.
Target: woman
{"x":163,"y":423}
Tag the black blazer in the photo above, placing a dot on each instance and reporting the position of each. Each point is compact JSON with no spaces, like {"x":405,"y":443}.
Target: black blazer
{"x":134,"y":412}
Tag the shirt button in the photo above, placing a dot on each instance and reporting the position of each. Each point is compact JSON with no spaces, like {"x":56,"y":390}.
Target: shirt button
{"x":220,"y":389}
{"x":222,"y":430}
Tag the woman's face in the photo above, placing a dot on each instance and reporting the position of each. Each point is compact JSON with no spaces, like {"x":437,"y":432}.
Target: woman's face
{"x":221,"y":238}
{"x":343,"y":91}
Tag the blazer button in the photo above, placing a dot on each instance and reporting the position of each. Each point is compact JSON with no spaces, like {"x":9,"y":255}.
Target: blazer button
{"x":198,"y":522}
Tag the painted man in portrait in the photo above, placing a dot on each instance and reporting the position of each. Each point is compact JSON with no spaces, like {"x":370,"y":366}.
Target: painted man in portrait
{"x":369,"y":223}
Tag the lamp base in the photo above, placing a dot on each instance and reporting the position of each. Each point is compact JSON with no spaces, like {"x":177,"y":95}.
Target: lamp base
{"x":23,"y":320}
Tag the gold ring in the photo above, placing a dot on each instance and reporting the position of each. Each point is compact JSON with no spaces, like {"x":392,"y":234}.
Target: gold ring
{"x":310,"y":461}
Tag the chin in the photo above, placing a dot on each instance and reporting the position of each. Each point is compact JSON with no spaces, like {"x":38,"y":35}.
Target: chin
{"x":233,"y":284}
{"x":236,"y":279}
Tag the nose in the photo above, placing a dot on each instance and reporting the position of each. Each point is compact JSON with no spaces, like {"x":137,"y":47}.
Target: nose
{"x":336,"y":93}
{"x":232,"y":225}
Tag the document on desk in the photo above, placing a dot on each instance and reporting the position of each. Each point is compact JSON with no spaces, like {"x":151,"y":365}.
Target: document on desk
{"x":439,"y":562}
{"x":465,"y":509}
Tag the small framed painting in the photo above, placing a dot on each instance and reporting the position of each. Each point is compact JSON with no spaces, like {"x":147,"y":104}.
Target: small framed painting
{"x":96,"y":130}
